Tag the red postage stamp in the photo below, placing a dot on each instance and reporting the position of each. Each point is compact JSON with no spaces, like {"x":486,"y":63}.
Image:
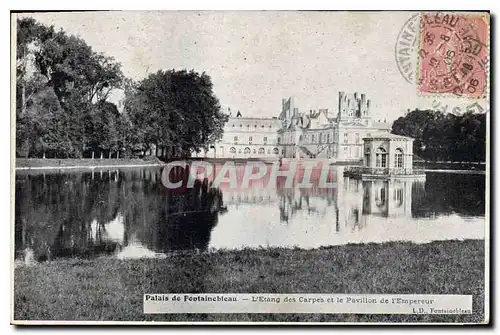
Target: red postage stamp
{"x":454,"y":54}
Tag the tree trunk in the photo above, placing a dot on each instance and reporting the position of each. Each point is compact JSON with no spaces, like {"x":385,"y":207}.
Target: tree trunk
{"x":23,"y":98}
{"x":92,"y":154}
{"x":109,"y":156}
{"x":101,"y":154}
{"x":118,"y":154}
{"x":44,"y":155}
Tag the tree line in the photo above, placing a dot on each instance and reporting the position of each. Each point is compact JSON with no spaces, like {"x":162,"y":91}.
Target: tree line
{"x":63,"y":109}
{"x":445,"y":137}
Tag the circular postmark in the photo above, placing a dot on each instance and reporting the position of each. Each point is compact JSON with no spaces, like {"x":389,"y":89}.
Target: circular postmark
{"x":453,"y":55}
{"x":406,"y":48}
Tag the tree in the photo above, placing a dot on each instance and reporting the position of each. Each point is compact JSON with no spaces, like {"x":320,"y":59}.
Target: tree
{"x":53,"y":64}
{"x":176,"y":110}
{"x":441,"y":136}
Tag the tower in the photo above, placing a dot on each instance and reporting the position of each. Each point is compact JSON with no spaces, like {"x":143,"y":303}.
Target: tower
{"x":353,"y":106}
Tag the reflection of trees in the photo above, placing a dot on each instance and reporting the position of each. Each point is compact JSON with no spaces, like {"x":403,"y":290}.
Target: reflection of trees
{"x":446,"y":193}
{"x":71,"y":214}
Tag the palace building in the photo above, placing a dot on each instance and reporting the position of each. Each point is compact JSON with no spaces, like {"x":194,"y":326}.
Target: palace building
{"x":294,"y":134}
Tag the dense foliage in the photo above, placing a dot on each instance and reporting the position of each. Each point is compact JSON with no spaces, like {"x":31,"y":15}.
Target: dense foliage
{"x":63,"y":109}
{"x":445,"y":137}
{"x":176,"y":111}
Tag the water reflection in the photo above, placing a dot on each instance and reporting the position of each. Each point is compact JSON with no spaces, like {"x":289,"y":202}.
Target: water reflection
{"x":129,"y":213}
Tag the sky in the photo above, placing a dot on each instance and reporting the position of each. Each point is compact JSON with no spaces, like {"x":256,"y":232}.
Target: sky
{"x":256,"y":58}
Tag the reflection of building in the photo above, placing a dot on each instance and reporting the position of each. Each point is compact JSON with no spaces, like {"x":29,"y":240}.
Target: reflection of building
{"x":387,"y":198}
{"x":315,"y":133}
{"x":361,"y":200}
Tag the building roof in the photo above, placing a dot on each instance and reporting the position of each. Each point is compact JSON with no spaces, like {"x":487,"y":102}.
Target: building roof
{"x":387,"y":136}
{"x":381,"y":125}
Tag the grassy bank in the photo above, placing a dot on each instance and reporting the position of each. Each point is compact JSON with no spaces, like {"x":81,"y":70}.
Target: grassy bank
{"x":84,"y":162}
{"x":112,"y":289}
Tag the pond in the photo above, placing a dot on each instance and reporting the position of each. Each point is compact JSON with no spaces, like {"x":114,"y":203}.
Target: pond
{"x":129,"y":213}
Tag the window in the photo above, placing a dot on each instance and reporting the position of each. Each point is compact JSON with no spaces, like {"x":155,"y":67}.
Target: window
{"x":398,"y":158}
{"x":265,"y":140}
{"x":279,"y":140}
{"x":380,"y":197}
{"x":262,"y":126}
{"x":255,"y":126}
{"x":276,"y":151}
{"x":398,"y":197}
{"x":248,"y":126}
{"x":233,"y":125}
{"x":232,"y":150}
{"x":381,"y":158}
{"x":236,"y":140}
{"x":312,"y":138}
{"x":346,"y":137}
{"x":254,"y":151}
{"x":247,"y":150}
{"x":262,"y":151}
{"x":241,"y":126}
{"x":367,"y":159}
{"x":300,"y":137}
{"x":250,"y":140}
{"x":328,"y":138}
{"x":356,"y":136}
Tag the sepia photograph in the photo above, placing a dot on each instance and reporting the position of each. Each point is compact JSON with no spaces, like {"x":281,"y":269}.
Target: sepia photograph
{"x":250,"y":167}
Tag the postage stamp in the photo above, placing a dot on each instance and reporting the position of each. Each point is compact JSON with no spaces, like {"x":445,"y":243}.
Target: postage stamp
{"x":453,"y":55}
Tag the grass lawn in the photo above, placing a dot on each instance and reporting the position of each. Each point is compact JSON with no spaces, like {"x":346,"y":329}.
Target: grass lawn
{"x":112,"y":289}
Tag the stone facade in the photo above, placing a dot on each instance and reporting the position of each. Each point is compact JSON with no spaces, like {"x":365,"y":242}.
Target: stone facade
{"x":318,"y":133}
{"x":293,"y":134}
{"x":248,"y":138}
{"x":388,"y":151}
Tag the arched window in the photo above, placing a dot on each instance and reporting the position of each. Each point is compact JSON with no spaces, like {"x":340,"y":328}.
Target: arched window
{"x":381,"y":158}
{"x":398,"y":158}
{"x":398,"y":197}
{"x":262,"y":151}
{"x":380,"y":196}
{"x":232,"y":150}
{"x":276,"y":151}
{"x":247,"y":150}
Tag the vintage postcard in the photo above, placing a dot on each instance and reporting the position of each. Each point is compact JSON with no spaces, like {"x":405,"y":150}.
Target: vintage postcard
{"x":250,"y":167}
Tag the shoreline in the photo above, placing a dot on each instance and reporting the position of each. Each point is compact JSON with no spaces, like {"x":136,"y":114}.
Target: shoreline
{"x":83,"y":163}
{"x":88,"y":166}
